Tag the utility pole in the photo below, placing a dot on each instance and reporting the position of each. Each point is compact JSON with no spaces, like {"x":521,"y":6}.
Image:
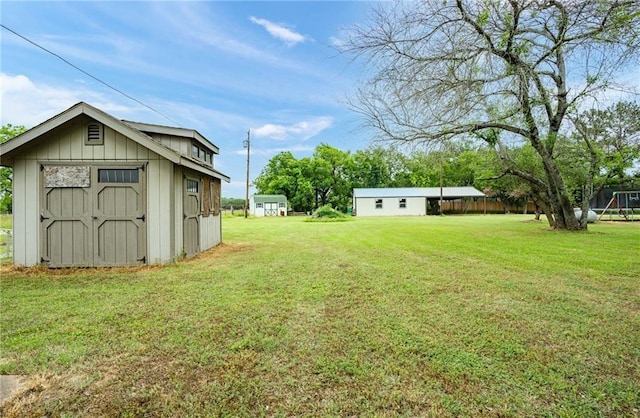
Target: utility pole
{"x":247,"y":145}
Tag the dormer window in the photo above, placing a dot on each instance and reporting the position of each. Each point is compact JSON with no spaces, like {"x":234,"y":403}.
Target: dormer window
{"x":199,"y":153}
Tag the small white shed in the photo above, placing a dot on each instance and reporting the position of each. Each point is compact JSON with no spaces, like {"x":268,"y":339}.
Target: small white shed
{"x":405,"y":201}
{"x":268,"y":205}
{"x":92,"y":190}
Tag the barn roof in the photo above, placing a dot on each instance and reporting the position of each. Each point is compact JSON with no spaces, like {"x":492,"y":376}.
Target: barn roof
{"x":264,"y":198}
{"x":129,"y":129}
{"x":426,"y":192}
{"x":171,"y":130}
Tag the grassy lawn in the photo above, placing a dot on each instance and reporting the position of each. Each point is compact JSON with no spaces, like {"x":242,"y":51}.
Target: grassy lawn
{"x":425,"y":316}
{"x":6,"y":221}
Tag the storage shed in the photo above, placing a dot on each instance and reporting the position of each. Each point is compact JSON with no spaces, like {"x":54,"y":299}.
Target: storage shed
{"x":92,"y":190}
{"x":406,"y":201}
{"x":268,"y":205}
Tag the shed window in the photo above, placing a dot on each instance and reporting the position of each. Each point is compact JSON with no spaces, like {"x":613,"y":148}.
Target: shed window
{"x":192,"y":186}
{"x":95,"y":134}
{"x":201,"y":154}
{"x":258,"y":205}
{"x":118,"y":175}
{"x":403,"y":203}
{"x":378,"y":203}
{"x":281,"y":205}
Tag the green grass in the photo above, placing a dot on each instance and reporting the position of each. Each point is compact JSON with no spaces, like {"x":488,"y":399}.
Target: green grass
{"x":6,"y":222}
{"x":425,"y":316}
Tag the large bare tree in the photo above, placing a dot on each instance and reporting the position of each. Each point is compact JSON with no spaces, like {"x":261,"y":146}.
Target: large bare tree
{"x":507,"y":72}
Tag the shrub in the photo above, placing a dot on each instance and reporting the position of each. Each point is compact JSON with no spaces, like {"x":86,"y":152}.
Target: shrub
{"x":327,"y":211}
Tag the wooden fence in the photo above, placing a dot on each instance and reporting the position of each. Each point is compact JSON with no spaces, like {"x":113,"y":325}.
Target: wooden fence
{"x":6,"y":243}
{"x":488,"y":206}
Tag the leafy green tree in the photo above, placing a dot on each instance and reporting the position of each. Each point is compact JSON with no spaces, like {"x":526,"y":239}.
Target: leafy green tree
{"x":376,"y":167}
{"x":279,"y":176}
{"x":7,"y":132}
{"x":283,"y":174}
{"x":603,"y":149}
{"x":326,"y":170}
{"x":502,"y":70}
{"x":309,"y":182}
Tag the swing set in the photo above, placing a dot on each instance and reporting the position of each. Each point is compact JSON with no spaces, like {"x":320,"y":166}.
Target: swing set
{"x":623,"y":206}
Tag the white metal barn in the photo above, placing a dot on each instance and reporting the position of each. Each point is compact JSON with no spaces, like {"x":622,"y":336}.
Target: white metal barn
{"x":92,"y":190}
{"x":405,"y":201}
{"x":268,"y":205}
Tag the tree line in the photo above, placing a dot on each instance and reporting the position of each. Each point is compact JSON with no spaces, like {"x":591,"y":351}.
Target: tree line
{"x":504,"y":72}
{"x":329,"y":175}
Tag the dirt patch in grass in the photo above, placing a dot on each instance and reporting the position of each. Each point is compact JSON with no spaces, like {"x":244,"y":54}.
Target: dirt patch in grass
{"x":219,"y":252}
{"x":216,"y":253}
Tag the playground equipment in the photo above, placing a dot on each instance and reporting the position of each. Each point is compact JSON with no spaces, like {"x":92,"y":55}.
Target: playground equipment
{"x":623,"y":206}
{"x":591,"y":215}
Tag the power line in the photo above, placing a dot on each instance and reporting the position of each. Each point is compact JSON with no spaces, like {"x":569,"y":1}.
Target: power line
{"x":88,"y":74}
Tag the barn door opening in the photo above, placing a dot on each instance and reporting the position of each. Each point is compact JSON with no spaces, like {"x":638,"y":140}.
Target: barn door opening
{"x":191,"y":217}
{"x":66,"y":216}
{"x":271,"y":209}
{"x":92,"y":216}
{"x":119,"y":217}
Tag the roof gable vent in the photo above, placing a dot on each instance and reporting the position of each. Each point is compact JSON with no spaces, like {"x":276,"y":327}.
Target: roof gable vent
{"x":95,"y":134}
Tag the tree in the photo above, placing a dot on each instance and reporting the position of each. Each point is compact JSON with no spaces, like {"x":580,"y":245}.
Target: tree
{"x":283,"y":174}
{"x":309,"y":182}
{"x":7,"y":132}
{"x":326,"y":170}
{"x":604,"y":146}
{"x":506,"y":72}
{"x":370,"y":168}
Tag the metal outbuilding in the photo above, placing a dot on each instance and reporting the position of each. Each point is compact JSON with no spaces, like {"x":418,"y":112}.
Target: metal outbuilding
{"x":406,"y":201}
{"x":92,"y":190}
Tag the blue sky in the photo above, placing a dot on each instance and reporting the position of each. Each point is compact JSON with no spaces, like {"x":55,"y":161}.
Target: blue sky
{"x":220,"y":67}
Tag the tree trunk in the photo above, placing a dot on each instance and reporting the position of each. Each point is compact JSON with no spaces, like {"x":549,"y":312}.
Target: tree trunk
{"x":563,"y":214}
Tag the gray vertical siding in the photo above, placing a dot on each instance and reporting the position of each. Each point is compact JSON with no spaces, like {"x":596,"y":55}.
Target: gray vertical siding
{"x":164,"y":189}
{"x":66,"y":145}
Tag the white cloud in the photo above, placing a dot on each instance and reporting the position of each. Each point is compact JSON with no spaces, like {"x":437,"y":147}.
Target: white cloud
{"x":337,"y":42}
{"x":26,"y":103}
{"x":301,"y":130}
{"x":280,"y":32}
{"x":29,"y":103}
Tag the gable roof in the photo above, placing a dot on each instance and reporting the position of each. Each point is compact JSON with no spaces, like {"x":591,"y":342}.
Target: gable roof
{"x":14,"y":146}
{"x":426,"y":192}
{"x":174,"y":131}
{"x":267,"y":198}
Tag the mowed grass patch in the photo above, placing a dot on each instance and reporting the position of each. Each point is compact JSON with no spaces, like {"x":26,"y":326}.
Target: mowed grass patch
{"x":6,"y":222}
{"x":416,"y":316}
